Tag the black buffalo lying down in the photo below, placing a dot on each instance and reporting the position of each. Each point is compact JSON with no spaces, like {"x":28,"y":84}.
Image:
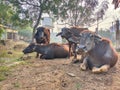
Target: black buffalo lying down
{"x":100,"y":53}
{"x":49,"y":51}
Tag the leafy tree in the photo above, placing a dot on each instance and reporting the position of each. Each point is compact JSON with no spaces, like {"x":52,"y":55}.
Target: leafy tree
{"x":74,"y":12}
{"x":77,"y":12}
{"x":9,"y":17}
{"x":81,"y":12}
{"x":33,"y":9}
{"x":6,"y":13}
{"x":101,"y":12}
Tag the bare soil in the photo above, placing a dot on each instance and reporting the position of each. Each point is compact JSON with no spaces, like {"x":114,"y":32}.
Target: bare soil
{"x":59,"y":74}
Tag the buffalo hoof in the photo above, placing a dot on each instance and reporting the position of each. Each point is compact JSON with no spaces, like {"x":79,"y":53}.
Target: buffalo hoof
{"x":42,"y":57}
{"x":102,"y":69}
{"x":75,"y":61}
{"x":83,"y":67}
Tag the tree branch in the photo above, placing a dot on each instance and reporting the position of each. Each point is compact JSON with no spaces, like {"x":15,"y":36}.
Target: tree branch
{"x":26,"y":2}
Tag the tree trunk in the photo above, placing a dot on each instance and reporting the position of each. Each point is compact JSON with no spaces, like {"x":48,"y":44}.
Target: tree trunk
{"x":117,"y":35}
{"x":36,"y":24}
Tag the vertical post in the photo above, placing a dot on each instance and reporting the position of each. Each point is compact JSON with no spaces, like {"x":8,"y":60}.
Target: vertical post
{"x":112,"y":33}
{"x":12,"y":34}
{"x":97,"y":26}
{"x":6,"y":34}
{"x":117,"y":35}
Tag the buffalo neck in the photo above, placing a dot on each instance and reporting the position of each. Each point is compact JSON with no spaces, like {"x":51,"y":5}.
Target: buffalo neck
{"x":99,"y":49}
{"x":41,"y":49}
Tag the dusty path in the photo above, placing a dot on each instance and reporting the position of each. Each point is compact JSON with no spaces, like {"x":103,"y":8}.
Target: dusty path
{"x":59,"y":74}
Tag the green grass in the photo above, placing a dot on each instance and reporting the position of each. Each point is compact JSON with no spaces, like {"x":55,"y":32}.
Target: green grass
{"x":4,"y":72}
{"x":15,"y":54}
{"x":2,"y":61}
{"x":10,"y":61}
{"x":6,"y":69}
{"x":78,"y":86}
{"x":17,"y":85}
{"x":2,"y":77}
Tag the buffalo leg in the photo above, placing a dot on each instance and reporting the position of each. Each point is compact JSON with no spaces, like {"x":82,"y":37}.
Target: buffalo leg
{"x":83,"y":55}
{"x":69,"y":50}
{"x":74,"y":60}
{"x":37,"y":55}
{"x":75,"y":53}
{"x":103,"y":68}
{"x":84,"y":65}
{"x":41,"y":56}
{"x":44,"y":57}
{"x":49,"y":55}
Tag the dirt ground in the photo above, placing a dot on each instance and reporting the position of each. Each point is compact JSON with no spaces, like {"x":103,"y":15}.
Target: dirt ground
{"x":59,"y":74}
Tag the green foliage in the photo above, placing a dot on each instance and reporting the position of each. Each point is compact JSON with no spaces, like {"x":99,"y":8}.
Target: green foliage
{"x":78,"y":86}
{"x":1,"y":31}
{"x":4,"y":71}
{"x":10,"y":17}
{"x":27,"y":32}
{"x":77,"y":12}
{"x":6,"y":12}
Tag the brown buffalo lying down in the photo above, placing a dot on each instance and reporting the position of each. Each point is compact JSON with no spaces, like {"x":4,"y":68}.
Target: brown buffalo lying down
{"x":49,"y":51}
{"x":100,"y":53}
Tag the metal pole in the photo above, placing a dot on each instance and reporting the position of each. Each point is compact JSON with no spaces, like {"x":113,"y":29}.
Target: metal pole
{"x":97,"y":26}
{"x":117,"y":35}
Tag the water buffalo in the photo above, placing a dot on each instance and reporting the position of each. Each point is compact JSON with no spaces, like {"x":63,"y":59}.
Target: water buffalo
{"x":49,"y":51}
{"x":69,"y":34}
{"x":42,"y":36}
{"x":100,"y":53}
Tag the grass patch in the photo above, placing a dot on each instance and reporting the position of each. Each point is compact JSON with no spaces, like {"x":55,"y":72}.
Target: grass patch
{"x":17,"y":85}
{"x":15,"y":54}
{"x":78,"y":86}
{"x":2,"y":61}
{"x":4,"y":72}
{"x":2,"y":77}
{"x":6,"y":58}
{"x":10,"y":58}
